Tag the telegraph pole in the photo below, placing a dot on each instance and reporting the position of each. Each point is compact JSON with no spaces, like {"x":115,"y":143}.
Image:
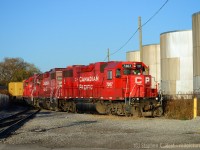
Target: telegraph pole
{"x":108,"y":54}
{"x":140,"y":37}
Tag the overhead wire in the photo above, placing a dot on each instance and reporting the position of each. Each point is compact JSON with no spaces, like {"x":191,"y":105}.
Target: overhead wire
{"x":138,"y":29}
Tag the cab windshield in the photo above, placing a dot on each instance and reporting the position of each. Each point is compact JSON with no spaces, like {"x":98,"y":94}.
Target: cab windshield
{"x":131,"y":72}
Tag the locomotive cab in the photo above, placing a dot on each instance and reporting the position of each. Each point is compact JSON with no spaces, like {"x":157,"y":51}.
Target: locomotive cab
{"x":128,"y":80}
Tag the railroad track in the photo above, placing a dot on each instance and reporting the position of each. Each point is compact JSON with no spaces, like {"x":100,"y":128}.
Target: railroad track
{"x":13,"y":122}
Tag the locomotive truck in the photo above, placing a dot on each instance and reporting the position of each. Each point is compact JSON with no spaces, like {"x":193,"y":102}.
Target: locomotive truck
{"x":115,"y":87}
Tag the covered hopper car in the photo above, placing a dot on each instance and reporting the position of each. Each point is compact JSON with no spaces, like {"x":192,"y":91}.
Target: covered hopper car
{"x":115,"y":87}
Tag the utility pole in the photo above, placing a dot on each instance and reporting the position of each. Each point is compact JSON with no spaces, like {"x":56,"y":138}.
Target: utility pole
{"x":108,"y":54}
{"x":140,"y":37}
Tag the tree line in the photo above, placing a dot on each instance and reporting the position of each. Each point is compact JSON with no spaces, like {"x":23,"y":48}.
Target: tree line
{"x":15,"y":70}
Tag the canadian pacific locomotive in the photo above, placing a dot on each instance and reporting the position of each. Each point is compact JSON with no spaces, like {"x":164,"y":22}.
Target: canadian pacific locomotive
{"x":115,"y":87}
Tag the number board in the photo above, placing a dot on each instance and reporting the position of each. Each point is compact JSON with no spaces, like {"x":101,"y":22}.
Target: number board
{"x":138,"y":66}
{"x":127,"y":65}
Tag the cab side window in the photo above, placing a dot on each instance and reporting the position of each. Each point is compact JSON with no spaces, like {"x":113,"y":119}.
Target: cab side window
{"x":118,"y":73}
{"x":109,"y":75}
{"x":136,"y":72}
{"x":127,"y":72}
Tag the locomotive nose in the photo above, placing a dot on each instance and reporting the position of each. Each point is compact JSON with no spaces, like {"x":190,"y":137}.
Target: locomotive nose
{"x":138,"y":85}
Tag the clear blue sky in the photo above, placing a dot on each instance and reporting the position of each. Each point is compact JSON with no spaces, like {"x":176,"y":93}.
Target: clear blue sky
{"x":58,"y":33}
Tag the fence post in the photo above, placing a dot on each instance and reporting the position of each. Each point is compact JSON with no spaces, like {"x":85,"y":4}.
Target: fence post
{"x":195,"y":107}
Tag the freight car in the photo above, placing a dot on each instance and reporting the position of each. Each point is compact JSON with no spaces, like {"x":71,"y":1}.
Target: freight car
{"x":15,"y":89}
{"x":115,"y":87}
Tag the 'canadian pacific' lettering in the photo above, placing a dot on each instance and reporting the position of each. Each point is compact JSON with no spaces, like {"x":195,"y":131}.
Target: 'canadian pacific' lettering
{"x":85,"y":87}
{"x":89,"y":79}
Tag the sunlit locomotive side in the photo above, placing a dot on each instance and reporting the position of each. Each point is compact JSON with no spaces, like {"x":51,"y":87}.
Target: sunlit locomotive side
{"x":122,"y":88}
{"x":30,"y":89}
{"x":50,"y":88}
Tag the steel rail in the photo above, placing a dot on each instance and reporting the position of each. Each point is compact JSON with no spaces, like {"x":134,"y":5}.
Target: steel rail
{"x":13,"y":115}
{"x":10,"y":126}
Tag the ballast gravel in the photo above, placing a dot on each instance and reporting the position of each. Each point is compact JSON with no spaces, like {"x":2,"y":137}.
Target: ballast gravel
{"x":61,"y":130}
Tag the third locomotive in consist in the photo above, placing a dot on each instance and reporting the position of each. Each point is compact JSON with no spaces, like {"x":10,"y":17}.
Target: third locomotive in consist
{"x":115,"y":87}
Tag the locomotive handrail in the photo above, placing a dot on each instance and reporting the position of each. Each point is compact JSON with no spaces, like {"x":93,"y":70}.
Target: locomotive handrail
{"x":51,"y":95}
{"x":57,"y":89}
{"x":126,"y":89}
{"x":34,"y":87}
{"x":131,"y":93}
{"x":55,"y":96}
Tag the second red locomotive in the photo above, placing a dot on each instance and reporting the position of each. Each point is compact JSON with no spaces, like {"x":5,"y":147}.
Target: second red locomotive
{"x":122,"y":88}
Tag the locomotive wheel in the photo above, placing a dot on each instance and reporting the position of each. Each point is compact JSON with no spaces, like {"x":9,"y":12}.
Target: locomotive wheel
{"x":120,"y":110}
{"x":101,"y":108}
{"x":47,"y":104}
{"x":36,"y":103}
{"x":54,"y":105}
{"x":72,"y":107}
{"x":140,"y":111}
{"x":158,"y":112}
{"x":68,"y":106}
{"x":64,"y":107}
{"x":127,"y":110}
{"x":108,"y":109}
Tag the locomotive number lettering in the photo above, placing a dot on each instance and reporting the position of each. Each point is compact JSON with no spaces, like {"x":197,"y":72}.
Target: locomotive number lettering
{"x":127,"y":65}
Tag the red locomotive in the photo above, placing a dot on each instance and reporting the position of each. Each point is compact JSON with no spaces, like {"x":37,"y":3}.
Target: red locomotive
{"x":122,"y":88}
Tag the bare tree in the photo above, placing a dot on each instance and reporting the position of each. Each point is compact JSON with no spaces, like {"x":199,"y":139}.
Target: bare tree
{"x":15,"y":69}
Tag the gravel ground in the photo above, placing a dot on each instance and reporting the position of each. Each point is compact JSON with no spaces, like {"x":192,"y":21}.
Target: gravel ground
{"x":61,"y":130}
